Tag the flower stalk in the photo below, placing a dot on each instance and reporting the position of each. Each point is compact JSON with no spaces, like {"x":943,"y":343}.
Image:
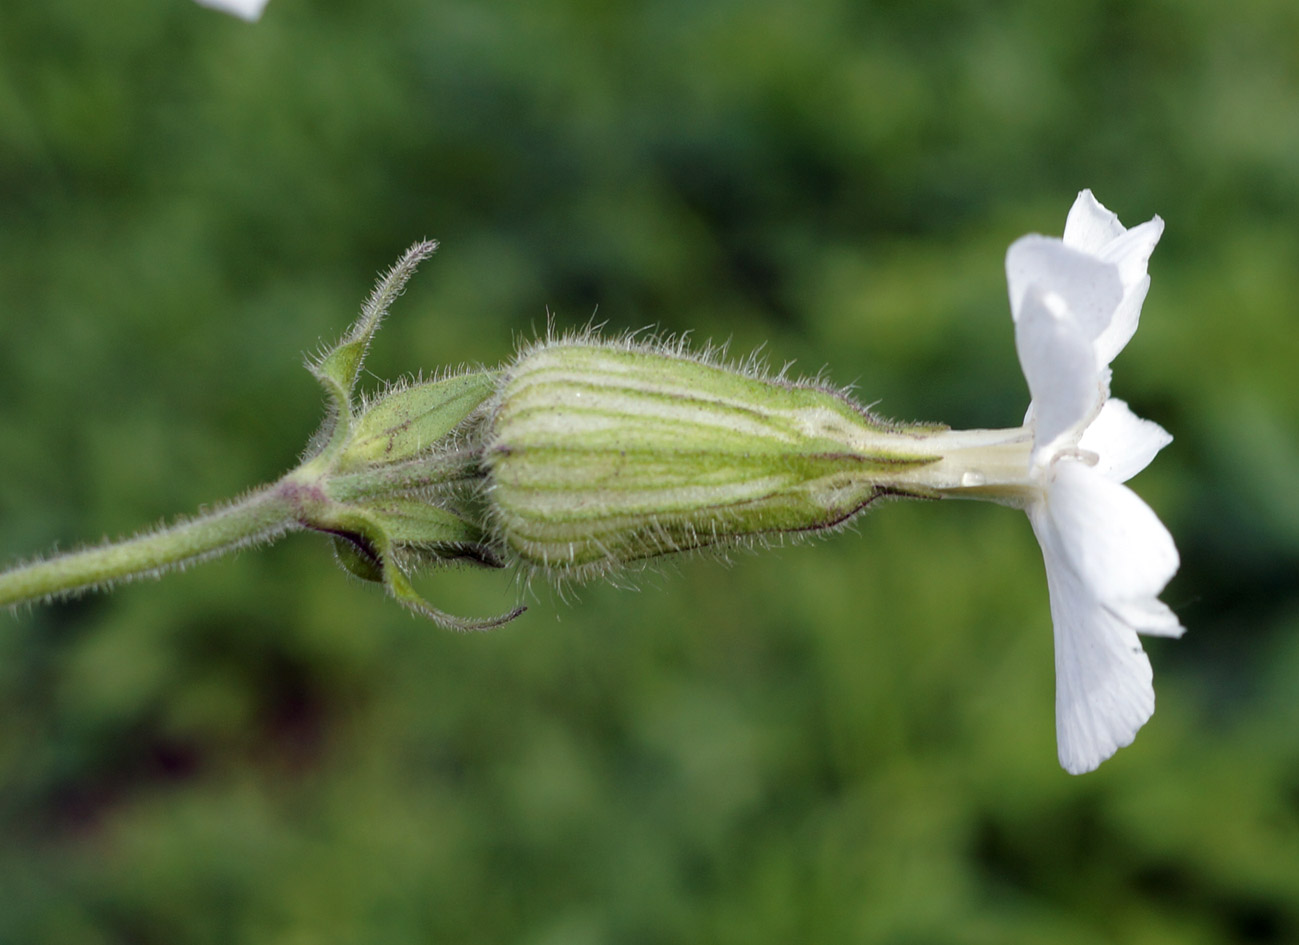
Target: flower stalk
{"x":259,"y":517}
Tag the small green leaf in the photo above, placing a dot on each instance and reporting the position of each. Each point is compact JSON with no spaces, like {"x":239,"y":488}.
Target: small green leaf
{"x":341,"y":364}
{"x":338,"y":366}
{"x":366,"y":547}
{"x":421,"y":533}
{"x":344,"y":360}
{"x":408,"y":421}
{"x":402,"y":591}
{"x":358,"y":557}
{"x":408,"y":520}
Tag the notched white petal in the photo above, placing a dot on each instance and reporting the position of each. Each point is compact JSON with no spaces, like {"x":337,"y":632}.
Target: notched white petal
{"x":1076,"y":303}
{"x":1131,"y":254}
{"x":1104,"y":689}
{"x":1150,"y":616}
{"x":1110,"y":538}
{"x":1131,"y":251}
{"x":1091,"y":288}
{"x":1124,"y":442}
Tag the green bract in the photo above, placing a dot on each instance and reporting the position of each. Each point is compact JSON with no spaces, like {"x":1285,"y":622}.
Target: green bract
{"x":393,"y":480}
{"x":408,"y":421}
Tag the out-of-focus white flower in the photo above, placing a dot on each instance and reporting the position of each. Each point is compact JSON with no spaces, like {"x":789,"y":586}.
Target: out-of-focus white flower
{"x":1076,"y":302}
{"x":250,"y":10}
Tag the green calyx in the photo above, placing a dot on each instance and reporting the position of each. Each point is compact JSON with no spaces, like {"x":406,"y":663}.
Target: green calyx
{"x":601,"y":455}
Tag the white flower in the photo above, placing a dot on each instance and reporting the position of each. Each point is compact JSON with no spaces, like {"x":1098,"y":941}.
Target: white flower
{"x":1076,"y":302}
{"x":250,"y":10}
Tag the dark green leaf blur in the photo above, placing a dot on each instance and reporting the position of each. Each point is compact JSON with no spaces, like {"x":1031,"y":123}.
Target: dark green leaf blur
{"x":850,"y":740}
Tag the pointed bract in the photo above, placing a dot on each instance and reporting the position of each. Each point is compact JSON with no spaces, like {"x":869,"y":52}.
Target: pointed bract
{"x":342,"y":362}
{"x":338,"y":366}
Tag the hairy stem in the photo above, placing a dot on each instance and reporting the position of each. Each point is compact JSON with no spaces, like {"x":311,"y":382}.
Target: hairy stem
{"x":261,"y":516}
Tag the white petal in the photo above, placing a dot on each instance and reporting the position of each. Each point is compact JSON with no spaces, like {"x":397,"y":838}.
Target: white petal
{"x":1090,"y":226}
{"x":1060,"y":367}
{"x":1104,"y":691}
{"x":1150,"y":616}
{"x":1110,"y":538}
{"x":1123,"y":325}
{"x":1131,"y":250}
{"x":1131,"y":254}
{"x":1090,"y":287}
{"x":250,"y":10}
{"x":1124,"y":442}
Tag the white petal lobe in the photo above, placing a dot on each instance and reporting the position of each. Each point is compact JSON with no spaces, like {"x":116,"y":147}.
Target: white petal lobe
{"x":1150,"y":616}
{"x":1104,"y":691}
{"x":1090,"y":287}
{"x":1131,"y":254}
{"x":1123,"y":325}
{"x":1059,"y":365}
{"x":1131,"y":250}
{"x":1124,"y":442}
{"x":1090,"y":226}
{"x":1110,"y":538}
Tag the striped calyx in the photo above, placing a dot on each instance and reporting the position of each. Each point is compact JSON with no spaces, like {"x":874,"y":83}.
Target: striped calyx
{"x":602,"y":454}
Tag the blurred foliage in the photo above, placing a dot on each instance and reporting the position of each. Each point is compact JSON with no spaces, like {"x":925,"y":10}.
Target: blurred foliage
{"x":847,"y":741}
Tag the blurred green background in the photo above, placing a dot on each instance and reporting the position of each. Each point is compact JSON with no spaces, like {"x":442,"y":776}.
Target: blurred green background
{"x":844,"y":741}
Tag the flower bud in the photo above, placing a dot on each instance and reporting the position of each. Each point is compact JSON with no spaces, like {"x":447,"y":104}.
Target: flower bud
{"x":605,"y":454}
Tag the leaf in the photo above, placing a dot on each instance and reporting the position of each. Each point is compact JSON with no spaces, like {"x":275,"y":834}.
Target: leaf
{"x":365,"y":544}
{"x":407,"y":422}
{"x":357,"y":556}
{"x":338,"y":367}
{"x":409,"y":520}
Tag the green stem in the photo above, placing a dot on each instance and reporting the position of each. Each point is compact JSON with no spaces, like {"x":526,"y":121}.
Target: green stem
{"x":261,"y":516}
